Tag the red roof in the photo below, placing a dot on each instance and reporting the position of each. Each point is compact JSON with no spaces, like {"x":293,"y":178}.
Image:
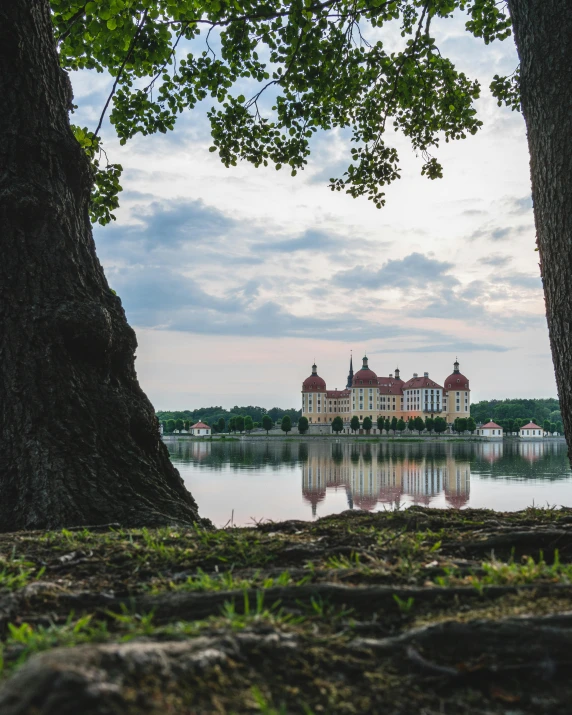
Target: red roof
{"x":391,"y":389}
{"x":314,"y":382}
{"x":417,"y":382}
{"x":334,"y":394}
{"x":200,"y":425}
{"x":530,"y":425}
{"x":363,"y":376}
{"x":456,"y":381}
{"x":491,"y":425}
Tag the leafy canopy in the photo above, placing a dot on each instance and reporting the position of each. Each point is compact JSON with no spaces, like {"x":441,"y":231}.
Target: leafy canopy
{"x":276,"y":72}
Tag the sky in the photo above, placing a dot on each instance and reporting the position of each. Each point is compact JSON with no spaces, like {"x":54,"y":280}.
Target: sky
{"x":237,"y":279}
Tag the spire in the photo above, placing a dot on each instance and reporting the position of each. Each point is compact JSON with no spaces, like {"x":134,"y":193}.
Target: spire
{"x":314,"y":369}
{"x":364,"y":366}
{"x":351,"y":373}
{"x":397,"y":373}
{"x":456,"y":365}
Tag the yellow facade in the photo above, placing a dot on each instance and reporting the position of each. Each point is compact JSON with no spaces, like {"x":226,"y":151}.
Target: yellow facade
{"x":368,"y":395}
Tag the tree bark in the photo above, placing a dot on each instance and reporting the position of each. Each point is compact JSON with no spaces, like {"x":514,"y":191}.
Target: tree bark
{"x":543,"y":35}
{"x":79,"y":440}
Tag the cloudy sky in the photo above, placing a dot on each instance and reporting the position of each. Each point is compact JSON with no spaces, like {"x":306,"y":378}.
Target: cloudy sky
{"x":237,"y":279}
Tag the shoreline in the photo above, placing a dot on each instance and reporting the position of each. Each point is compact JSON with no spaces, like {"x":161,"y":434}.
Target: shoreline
{"x":409,"y":439}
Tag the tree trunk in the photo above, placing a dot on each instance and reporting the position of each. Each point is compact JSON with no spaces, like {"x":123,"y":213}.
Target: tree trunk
{"x":79,"y":441}
{"x":543,"y":34}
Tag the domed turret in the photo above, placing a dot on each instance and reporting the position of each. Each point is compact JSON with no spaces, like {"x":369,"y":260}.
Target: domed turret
{"x":365,"y":376}
{"x":456,"y":381}
{"x":314,"y":382}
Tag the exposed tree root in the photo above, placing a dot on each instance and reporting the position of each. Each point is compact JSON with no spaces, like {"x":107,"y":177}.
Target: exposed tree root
{"x":350,"y":614}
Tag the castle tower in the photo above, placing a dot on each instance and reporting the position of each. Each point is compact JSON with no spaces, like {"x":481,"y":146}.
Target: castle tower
{"x":351,"y":374}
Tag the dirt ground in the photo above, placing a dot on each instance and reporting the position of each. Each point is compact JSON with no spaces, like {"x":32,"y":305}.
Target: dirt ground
{"x":417,"y":611}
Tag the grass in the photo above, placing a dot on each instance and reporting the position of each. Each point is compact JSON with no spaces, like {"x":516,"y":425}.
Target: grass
{"x":16,"y":573}
{"x":502,"y":573}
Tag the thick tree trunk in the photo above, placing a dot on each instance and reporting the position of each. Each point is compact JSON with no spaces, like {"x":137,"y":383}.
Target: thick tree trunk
{"x":79,"y":441}
{"x":543,"y":34}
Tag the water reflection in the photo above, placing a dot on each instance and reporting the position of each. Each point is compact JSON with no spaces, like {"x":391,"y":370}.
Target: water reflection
{"x":260,"y":477}
{"x":382,"y":474}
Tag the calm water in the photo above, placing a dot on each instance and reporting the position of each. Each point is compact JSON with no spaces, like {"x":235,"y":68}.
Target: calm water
{"x":290,"y":480}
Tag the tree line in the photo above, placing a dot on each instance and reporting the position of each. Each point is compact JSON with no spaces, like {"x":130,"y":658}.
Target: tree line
{"x":214,"y":417}
{"x":518,"y":409}
{"x":235,"y":423}
{"x":244,"y":423}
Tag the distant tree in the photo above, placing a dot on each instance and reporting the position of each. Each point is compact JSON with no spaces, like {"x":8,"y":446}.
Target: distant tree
{"x":411,"y":424}
{"x":303,"y":425}
{"x":400,"y":425}
{"x":559,"y":427}
{"x":509,"y":426}
{"x":367,"y":424}
{"x":354,"y":423}
{"x":232,"y":424}
{"x":387,"y":425}
{"x":186,"y":424}
{"x":461,"y":424}
{"x":546,"y":425}
{"x":419,"y":424}
{"x":471,"y":424}
{"x":338,"y":424}
{"x":267,"y":423}
{"x":179,"y":424}
{"x":552,"y":427}
{"x":239,"y":423}
{"x":380,"y":423}
{"x":429,"y":424}
{"x":170,"y":426}
{"x":440,"y":425}
{"x":248,"y":424}
{"x":286,"y":424}
{"x":256,"y":425}
{"x":220,"y":425}
{"x":393,"y":424}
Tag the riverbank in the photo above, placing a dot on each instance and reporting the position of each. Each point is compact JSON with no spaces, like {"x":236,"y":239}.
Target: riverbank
{"x":423,"y":610}
{"x":294,"y":437}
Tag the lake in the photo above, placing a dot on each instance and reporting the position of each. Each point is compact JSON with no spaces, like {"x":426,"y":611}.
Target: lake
{"x":242,"y":482}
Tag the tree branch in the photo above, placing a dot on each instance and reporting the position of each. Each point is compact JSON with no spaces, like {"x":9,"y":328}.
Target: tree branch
{"x":120,"y":71}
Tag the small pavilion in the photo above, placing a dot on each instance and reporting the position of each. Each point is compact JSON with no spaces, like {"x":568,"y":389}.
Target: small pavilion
{"x":200,"y":429}
{"x":531,"y":431}
{"x":490,"y":430}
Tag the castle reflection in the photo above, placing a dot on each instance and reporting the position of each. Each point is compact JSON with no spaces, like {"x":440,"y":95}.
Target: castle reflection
{"x":381,"y":474}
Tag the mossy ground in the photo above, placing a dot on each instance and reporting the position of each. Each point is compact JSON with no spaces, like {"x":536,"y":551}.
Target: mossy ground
{"x":416,"y":611}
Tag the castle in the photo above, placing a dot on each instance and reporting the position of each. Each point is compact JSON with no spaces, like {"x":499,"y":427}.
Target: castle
{"x":367,"y":395}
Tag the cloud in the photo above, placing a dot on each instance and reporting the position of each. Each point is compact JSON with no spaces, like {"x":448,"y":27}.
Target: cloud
{"x":310,"y":240}
{"x":179,"y":221}
{"x":522,"y":280}
{"x":473,"y":212}
{"x":497,"y":233}
{"x":520,"y":206}
{"x":460,"y":346}
{"x":412,"y":271}
{"x":497,"y":261}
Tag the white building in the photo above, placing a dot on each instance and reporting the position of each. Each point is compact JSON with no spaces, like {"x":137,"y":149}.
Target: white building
{"x":531,"y":431}
{"x":200,"y":429}
{"x":490,"y":430}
